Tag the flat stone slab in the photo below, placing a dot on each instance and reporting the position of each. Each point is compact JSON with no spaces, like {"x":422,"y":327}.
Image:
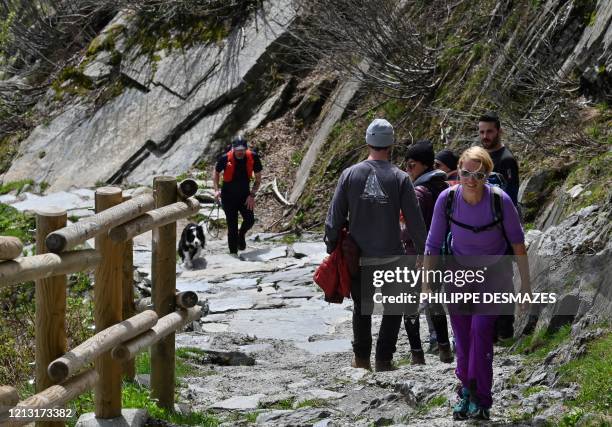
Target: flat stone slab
{"x":239,"y":283}
{"x":293,"y":323}
{"x":320,"y":394}
{"x":62,"y":199}
{"x":265,"y":254}
{"x":194,"y":285}
{"x":215,"y":327}
{"x":327,"y":346}
{"x":255,"y":348}
{"x":310,"y":249}
{"x":7,"y":199}
{"x":240,"y":403}
{"x":293,"y":275}
{"x":354,"y":374}
{"x":128,"y":418}
{"x":232,"y":303}
{"x":300,"y":417}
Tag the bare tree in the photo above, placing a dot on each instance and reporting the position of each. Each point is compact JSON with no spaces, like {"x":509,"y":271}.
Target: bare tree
{"x":375,"y":42}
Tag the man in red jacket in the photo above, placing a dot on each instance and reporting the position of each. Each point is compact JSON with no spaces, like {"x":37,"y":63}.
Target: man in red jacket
{"x":239,"y":166}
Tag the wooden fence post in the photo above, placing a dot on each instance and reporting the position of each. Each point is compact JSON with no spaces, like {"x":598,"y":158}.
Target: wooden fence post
{"x":163,"y":272}
{"x":108,"y":309}
{"x":50,"y":300}
{"x":129,"y":366}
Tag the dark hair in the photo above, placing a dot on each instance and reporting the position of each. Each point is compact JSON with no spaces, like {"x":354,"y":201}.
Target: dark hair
{"x":491,"y":117}
{"x":378,"y":148}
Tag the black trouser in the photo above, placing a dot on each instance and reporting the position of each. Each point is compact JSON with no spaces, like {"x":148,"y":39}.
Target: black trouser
{"x":362,"y":326}
{"x":438,"y":318}
{"x":504,"y":326}
{"x":232,"y":204}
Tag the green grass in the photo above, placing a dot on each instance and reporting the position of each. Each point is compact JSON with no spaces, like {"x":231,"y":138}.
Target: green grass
{"x":251,"y":417}
{"x":15,"y":185}
{"x":537,"y":345}
{"x":182,"y":368}
{"x":530,"y":391}
{"x":135,"y":396}
{"x":593,"y":373}
{"x":281,"y":404}
{"x":15,"y":223}
{"x":434,"y":402}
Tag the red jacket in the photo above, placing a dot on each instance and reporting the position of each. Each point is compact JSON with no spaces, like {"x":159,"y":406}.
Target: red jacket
{"x":334,"y":273}
{"x":228,"y":173}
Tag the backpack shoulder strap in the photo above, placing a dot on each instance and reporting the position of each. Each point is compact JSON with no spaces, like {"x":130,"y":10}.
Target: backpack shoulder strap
{"x":448,"y":209}
{"x":450,"y":200}
{"x":497,"y":207}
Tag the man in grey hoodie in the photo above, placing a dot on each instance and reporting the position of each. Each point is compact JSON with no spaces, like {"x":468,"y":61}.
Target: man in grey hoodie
{"x":372,"y":194}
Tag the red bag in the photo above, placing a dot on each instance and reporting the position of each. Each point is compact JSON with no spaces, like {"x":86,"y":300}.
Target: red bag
{"x":333,"y":275}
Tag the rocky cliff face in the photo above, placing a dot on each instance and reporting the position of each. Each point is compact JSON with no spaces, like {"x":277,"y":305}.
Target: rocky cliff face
{"x":177,"y":105}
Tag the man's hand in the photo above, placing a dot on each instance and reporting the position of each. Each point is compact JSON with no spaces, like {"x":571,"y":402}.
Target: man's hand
{"x":217,"y":195}
{"x":250,"y":202}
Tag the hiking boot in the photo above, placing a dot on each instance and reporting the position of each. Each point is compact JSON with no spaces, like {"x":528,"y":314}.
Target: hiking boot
{"x":433,"y":346}
{"x":460,"y":410}
{"x":241,"y":242}
{"x":361,"y":362}
{"x":383,"y":366}
{"x":477,"y":412}
{"x":418,"y":357}
{"x":446,"y":355}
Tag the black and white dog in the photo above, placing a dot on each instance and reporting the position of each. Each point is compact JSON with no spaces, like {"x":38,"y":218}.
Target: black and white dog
{"x":191,"y":244}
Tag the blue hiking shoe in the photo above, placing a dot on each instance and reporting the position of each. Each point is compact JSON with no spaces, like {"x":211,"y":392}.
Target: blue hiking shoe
{"x":477,"y":412}
{"x":460,"y":410}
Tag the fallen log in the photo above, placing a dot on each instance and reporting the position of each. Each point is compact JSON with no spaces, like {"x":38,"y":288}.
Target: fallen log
{"x":83,"y":354}
{"x":35,"y":267}
{"x":164,"y":326}
{"x":10,"y":247}
{"x":87,"y":228}
{"x":155,"y":218}
{"x":56,"y":396}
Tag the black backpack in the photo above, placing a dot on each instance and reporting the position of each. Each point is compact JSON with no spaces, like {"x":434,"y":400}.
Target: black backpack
{"x":498,"y":218}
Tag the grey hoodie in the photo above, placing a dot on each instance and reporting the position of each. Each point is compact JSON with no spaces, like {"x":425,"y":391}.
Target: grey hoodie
{"x":370,"y":195}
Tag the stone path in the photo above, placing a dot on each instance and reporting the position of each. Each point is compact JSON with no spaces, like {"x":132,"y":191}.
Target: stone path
{"x":295,"y":349}
{"x":271,"y":351}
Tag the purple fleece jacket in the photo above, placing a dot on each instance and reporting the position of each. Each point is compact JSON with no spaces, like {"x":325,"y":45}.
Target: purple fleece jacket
{"x":465,"y":242}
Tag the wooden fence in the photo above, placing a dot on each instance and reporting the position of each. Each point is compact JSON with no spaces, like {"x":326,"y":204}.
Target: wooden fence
{"x":62,"y":375}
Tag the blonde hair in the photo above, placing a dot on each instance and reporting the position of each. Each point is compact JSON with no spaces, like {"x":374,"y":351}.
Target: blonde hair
{"x":477,"y":154}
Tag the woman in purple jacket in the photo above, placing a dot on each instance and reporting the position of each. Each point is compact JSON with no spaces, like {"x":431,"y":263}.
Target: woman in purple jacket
{"x":471,"y":208}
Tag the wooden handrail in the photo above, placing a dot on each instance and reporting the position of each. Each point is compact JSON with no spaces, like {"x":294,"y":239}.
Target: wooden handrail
{"x":10,"y":247}
{"x":165,"y":326}
{"x":187,"y":188}
{"x":42,"y":266}
{"x":155,"y":218}
{"x":58,"y":395}
{"x":103,"y":341}
{"x":80,"y":232}
{"x":8,"y":397}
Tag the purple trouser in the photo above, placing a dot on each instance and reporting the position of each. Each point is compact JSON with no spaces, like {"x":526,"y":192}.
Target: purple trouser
{"x":474,"y":347}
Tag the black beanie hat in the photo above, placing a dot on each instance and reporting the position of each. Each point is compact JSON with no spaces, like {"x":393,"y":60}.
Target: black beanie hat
{"x":239,"y":143}
{"x":421,"y":151}
{"x":449,"y":158}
